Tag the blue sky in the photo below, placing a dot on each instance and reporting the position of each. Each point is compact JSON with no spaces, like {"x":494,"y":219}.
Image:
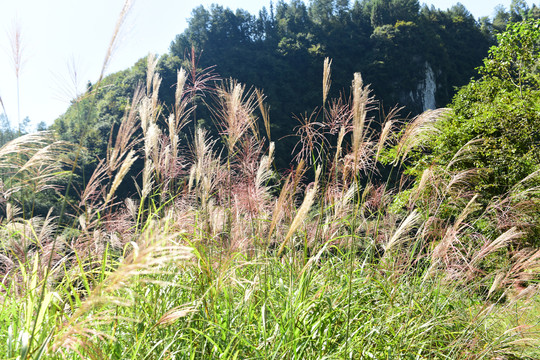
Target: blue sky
{"x":64,"y":37}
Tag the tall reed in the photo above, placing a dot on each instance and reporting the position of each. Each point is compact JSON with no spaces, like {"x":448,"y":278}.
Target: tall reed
{"x":220,"y":256}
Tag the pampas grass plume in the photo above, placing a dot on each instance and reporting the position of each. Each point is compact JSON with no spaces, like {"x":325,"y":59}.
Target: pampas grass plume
{"x":302,"y":212}
{"x":126,"y":165}
{"x":327,"y":81}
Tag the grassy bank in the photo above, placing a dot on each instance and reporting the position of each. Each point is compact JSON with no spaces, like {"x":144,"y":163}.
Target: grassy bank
{"x":221,"y":256}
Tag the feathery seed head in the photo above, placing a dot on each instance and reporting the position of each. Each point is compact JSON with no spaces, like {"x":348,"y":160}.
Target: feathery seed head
{"x":302,"y":211}
{"x":148,"y":180}
{"x":180,"y":84}
{"x":361,"y":101}
{"x":126,"y":165}
{"x":341,"y":136}
{"x":384,"y":136}
{"x":151,"y":64}
{"x":151,"y":141}
{"x":145,"y":112}
{"x":263,"y":108}
{"x":416,"y":132}
{"x":156,"y":82}
{"x":236,"y":113}
{"x":326,"y":78}
{"x":399,"y":235}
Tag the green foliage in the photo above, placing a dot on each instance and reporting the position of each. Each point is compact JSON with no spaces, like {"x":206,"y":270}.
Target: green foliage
{"x":90,"y":122}
{"x":189,"y":269}
{"x":91,"y":116}
{"x":281,"y":52}
{"x":291,"y":44}
{"x":265,"y":309}
{"x":515,"y":59}
{"x":6,"y":132}
{"x":501,"y":110}
{"x":260,"y":308}
{"x":488,"y":148}
{"x":501,"y":18}
{"x":518,"y":10}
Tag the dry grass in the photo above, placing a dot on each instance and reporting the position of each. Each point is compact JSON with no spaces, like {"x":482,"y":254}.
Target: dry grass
{"x":210,"y":226}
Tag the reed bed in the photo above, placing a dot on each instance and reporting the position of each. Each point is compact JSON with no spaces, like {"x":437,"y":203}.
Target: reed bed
{"x":222,"y":256}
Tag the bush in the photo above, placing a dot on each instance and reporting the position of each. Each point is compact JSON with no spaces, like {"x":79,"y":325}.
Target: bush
{"x":498,"y":115}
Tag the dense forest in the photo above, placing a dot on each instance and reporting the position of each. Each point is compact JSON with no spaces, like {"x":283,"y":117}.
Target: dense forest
{"x":412,"y":56}
{"x":325,"y":181}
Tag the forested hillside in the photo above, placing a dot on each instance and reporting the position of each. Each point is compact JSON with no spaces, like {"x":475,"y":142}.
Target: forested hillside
{"x":412,"y":56}
{"x":396,"y":45}
{"x":171,"y":213}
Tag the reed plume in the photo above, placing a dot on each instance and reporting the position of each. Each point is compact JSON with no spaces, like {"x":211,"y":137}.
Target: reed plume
{"x":152,"y":253}
{"x":302,"y":212}
{"x":124,"y":169}
{"x":115,"y":37}
{"x":327,"y":81}
{"x":361,"y":100}
{"x":418,"y":131}
{"x":235,"y":116}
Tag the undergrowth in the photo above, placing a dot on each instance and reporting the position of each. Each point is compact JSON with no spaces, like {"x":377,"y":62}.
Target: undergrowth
{"x":221,"y":256}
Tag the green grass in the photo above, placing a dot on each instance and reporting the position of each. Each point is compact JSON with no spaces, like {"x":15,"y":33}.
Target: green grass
{"x":272,"y":308}
{"x":228,"y":259}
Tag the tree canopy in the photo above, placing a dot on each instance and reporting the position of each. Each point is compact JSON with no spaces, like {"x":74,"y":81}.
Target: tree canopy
{"x":499,"y":113}
{"x":397,"y":45}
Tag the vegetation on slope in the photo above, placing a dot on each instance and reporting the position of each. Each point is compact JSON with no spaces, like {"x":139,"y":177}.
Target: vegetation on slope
{"x":491,"y":140}
{"x":282,"y":48}
{"x":280,"y":51}
{"x":217,"y":255}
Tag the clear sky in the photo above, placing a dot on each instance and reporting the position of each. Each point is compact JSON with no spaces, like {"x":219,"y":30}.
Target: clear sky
{"x":64,"y":37}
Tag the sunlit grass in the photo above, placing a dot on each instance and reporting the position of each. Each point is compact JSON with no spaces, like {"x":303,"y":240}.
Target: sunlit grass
{"x":220,"y":256}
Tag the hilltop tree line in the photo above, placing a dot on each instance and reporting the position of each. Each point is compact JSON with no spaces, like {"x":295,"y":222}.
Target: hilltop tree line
{"x":305,"y":263}
{"x":281,"y":51}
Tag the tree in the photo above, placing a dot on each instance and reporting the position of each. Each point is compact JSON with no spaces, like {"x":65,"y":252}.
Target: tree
{"x":6,"y":132}
{"x":281,"y":51}
{"x":404,"y":10}
{"x":199,"y":25}
{"x":501,"y":18}
{"x":518,"y":10}
{"x":41,"y":126}
{"x":380,"y":13}
{"x":500,"y":112}
{"x":459,"y":13}
{"x":321,"y":11}
{"x":534,"y":12}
